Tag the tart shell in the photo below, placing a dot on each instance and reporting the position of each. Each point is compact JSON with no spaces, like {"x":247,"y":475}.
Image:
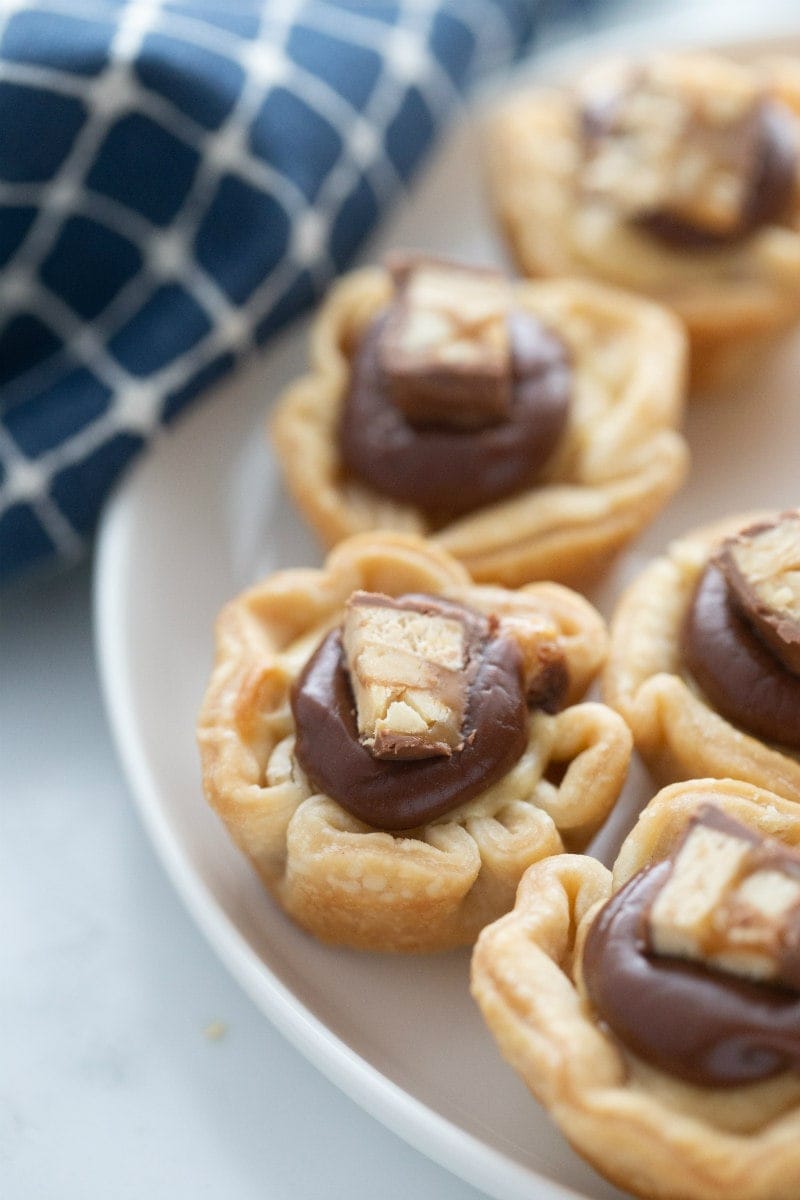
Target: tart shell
{"x":619,"y":461}
{"x":732,"y":300}
{"x":429,"y":888}
{"x":675,"y":728}
{"x":648,"y":1133}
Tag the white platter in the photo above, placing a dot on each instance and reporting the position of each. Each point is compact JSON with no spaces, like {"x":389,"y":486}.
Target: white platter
{"x":202,"y":516}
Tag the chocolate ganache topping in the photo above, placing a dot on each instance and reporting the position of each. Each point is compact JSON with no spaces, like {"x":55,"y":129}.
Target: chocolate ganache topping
{"x":719,"y":180}
{"x":724,"y":639}
{"x":375,"y":755}
{"x":452,"y":405}
{"x":689,"y":1019}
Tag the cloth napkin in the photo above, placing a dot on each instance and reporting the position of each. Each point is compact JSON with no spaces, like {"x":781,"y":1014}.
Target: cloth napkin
{"x":179,"y":178}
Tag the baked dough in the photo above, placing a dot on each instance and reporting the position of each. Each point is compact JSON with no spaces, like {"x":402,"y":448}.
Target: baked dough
{"x":675,"y":729}
{"x":731,"y":298}
{"x":649,"y":1133}
{"x":436,"y":886}
{"x":618,"y":463}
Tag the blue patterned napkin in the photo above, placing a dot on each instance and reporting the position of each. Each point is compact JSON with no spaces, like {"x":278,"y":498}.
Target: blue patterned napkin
{"x":177,"y":180}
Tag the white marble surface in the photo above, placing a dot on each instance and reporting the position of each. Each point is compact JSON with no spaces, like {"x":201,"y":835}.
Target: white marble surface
{"x":111,"y":1083}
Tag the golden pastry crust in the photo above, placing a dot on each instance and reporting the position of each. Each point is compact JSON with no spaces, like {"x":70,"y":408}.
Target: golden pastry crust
{"x":730,"y":298}
{"x":674,"y":726}
{"x":618,"y":463}
{"x":436,"y":886}
{"x":649,"y":1133}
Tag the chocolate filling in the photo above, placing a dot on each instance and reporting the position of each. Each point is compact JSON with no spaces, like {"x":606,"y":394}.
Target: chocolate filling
{"x":406,"y":794}
{"x":689,"y":1021}
{"x":737,"y":671}
{"x":770,"y":191}
{"x":757,"y":602}
{"x":446,"y":472}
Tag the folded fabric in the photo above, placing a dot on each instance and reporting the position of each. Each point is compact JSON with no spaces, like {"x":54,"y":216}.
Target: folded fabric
{"x":177,"y":180}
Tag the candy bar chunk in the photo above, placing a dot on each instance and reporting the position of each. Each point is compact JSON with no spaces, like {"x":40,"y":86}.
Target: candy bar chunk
{"x":407,"y":660}
{"x":731,"y":902}
{"x":683,"y":141}
{"x":762,"y":569}
{"x":445,"y":348}
{"x":544,"y":665}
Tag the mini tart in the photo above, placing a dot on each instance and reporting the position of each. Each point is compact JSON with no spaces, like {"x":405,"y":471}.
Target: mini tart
{"x":731,"y":297}
{"x":436,"y":886}
{"x":649,"y":1133}
{"x":675,"y":728}
{"x":619,"y":461}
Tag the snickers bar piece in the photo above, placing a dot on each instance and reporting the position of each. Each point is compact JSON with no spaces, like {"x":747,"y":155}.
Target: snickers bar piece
{"x":408,"y":661}
{"x":445,"y":348}
{"x":761,"y":566}
{"x":731,"y":902}
{"x":692,"y":149}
